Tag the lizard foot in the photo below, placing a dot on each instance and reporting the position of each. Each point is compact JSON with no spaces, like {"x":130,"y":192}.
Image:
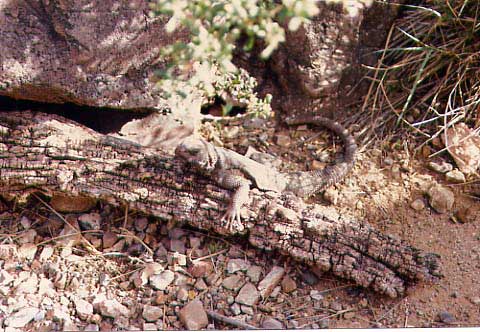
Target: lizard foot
{"x":232,"y":220}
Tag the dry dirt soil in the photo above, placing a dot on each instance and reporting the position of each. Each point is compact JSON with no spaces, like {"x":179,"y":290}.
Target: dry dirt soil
{"x":381,"y":188}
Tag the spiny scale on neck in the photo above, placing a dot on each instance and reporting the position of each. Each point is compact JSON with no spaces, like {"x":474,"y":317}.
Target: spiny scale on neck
{"x":305,"y":184}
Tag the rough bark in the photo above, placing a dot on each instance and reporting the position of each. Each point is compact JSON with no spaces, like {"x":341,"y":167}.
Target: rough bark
{"x":56,"y":155}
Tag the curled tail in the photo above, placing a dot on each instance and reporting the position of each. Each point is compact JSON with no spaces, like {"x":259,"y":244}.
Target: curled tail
{"x":309,"y":183}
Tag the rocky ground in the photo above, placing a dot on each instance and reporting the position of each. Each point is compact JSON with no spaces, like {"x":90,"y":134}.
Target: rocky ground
{"x":109,"y":268}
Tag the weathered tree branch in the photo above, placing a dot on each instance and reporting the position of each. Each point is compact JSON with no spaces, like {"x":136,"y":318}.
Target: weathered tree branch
{"x":57,"y":155}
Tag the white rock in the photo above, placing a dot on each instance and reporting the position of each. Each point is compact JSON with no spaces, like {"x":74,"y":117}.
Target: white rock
{"x":163,"y":280}
{"x":271,"y":280}
{"x":237,"y":264}
{"x":152,"y":313}
{"x":21,"y":317}
{"x":29,"y":286}
{"x":46,"y":253}
{"x":248,"y":295}
{"x":27,"y":251}
{"x":83,"y":308}
{"x":113,"y":309}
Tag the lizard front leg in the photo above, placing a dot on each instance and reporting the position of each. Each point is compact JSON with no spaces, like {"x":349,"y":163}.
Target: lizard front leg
{"x":241,"y":186}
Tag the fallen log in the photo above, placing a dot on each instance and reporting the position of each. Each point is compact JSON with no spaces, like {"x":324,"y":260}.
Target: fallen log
{"x":56,"y":155}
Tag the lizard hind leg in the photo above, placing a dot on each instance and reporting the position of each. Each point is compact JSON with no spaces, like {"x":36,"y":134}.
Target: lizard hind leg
{"x":241,"y":187}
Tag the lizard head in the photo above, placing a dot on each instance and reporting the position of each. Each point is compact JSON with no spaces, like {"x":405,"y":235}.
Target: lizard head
{"x":197,"y":153}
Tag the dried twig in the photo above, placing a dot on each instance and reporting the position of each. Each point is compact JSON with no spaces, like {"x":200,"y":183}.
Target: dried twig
{"x":230,"y":321}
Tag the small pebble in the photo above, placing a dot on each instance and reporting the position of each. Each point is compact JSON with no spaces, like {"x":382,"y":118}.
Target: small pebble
{"x":316,"y":295}
{"x":272,"y":324}
{"x":283,"y":140}
{"x":455,"y":176}
{"x":309,"y":278}
{"x":288,"y":284}
{"x":442,"y":167}
{"x":331,"y":196}
{"x":418,"y":204}
{"x":387,"y":161}
{"x":441,"y":198}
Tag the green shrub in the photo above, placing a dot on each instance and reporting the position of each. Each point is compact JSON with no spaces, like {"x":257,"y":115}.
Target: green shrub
{"x":215,"y":26}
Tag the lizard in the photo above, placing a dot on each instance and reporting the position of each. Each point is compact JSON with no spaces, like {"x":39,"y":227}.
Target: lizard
{"x":236,"y":172}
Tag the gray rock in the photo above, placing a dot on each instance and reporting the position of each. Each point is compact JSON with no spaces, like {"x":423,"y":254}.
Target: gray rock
{"x":92,"y":328}
{"x":177,"y":246}
{"x":388,"y":161}
{"x":237,"y":264}
{"x":141,"y":224}
{"x":25,"y":222}
{"x":161,"y":252}
{"x":83,"y":308}
{"x":247,"y":310}
{"x":309,"y":278}
{"x":195,"y":242}
{"x":446,"y":317}
{"x":163,"y":280}
{"x":152,"y":313}
{"x":193,"y":316}
{"x":254,"y":272}
{"x":248,"y":295}
{"x":181,"y":280}
{"x":27,"y":237}
{"x":272,"y":324}
{"x":283,"y":140}
{"x":441,"y":199}
{"x":150,"y":327}
{"x":270,"y":281}
{"x":336,"y":306}
{"x":112,"y":309}
{"x":89,"y":221}
{"x":324,"y":324}
{"x":233,"y":282}
{"x":441,"y":167}
{"x":21,"y":317}
{"x":235,"y":308}
{"x":200,"y":285}
{"x":176,"y":233}
{"x":275,"y":292}
{"x":455,"y":176}
{"x":254,"y":123}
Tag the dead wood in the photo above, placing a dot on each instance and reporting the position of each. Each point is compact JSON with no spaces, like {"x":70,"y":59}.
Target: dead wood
{"x":56,"y":155}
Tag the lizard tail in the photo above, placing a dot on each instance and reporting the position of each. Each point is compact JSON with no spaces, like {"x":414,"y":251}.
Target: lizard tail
{"x":309,"y":183}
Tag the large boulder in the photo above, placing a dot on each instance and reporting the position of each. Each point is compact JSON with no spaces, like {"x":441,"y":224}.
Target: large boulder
{"x":104,"y":53}
{"x":89,"y":52}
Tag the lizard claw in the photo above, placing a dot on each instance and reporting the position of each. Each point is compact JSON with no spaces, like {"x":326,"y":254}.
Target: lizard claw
{"x":232,"y":220}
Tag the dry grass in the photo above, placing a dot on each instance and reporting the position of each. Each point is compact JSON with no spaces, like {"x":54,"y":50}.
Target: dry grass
{"x":427,"y":77}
